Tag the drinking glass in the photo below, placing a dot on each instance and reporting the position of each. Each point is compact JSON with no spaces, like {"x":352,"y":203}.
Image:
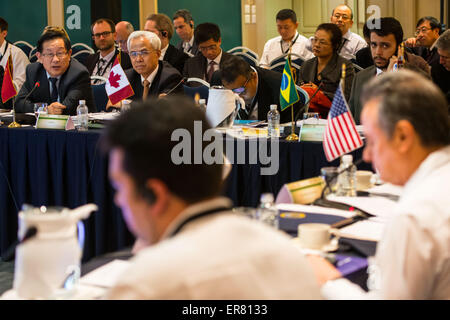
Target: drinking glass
{"x":40,"y":107}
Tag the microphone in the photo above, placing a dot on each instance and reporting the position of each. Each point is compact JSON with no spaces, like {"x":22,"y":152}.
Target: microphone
{"x":183,"y":80}
{"x":36,"y":85}
{"x":309,"y":100}
{"x":29,"y":234}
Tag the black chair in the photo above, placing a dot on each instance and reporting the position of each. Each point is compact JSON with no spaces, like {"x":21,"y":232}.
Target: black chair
{"x":201,"y":88}
{"x":248,"y":55}
{"x":25,"y":46}
{"x":100,"y":95}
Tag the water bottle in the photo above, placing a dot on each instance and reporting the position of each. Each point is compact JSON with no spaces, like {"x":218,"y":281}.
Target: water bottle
{"x":273,"y":122}
{"x":267,"y":211}
{"x":82,"y":113}
{"x":202,"y":104}
{"x":347,"y":179}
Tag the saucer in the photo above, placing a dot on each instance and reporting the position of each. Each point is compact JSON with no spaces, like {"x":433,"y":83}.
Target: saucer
{"x":332,"y":246}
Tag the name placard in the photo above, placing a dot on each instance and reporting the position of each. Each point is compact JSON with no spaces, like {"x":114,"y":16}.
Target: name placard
{"x":312,"y":132}
{"x":52,"y":121}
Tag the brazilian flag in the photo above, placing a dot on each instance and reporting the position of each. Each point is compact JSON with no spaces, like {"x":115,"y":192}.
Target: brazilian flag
{"x":288,"y":92}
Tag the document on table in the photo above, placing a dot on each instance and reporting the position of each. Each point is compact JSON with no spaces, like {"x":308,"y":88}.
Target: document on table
{"x":314,"y":209}
{"x":106,"y":275}
{"x":363,"y":230}
{"x":103,"y":115}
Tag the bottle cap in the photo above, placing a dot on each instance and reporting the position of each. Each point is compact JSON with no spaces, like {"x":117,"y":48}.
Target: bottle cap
{"x":267,"y":197}
{"x":348,"y":158}
{"x":82,"y":101}
{"x":273,"y":107}
{"x":202,"y":101}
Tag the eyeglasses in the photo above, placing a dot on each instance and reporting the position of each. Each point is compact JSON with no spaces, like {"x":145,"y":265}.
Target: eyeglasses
{"x":320,"y":42}
{"x":344,"y":17}
{"x":50,"y":56}
{"x":143,"y":53}
{"x":241,"y":90}
{"x":204,"y":49}
{"x":104,"y":34}
{"x":423,"y":30}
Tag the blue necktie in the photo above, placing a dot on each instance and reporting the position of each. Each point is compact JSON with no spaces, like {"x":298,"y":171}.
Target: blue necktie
{"x":54,"y":96}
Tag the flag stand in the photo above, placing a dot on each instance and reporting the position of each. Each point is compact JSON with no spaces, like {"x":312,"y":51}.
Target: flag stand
{"x":292,"y":136}
{"x":14,"y":124}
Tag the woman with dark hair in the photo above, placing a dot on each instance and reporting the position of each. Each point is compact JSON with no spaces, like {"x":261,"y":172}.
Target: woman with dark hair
{"x":325,"y":69}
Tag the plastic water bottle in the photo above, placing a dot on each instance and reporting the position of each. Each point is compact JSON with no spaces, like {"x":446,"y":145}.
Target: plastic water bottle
{"x":347,"y":179}
{"x":202,"y":104}
{"x":82,"y":113}
{"x":267,"y":211}
{"x":273,"y":122}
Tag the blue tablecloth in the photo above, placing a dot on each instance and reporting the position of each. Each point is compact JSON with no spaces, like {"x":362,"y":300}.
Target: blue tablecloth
{"x":66,"y":168}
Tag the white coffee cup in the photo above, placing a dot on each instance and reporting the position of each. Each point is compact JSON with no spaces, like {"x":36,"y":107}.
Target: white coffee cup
{"x":314,"y":235}
{"x":363,"y":179}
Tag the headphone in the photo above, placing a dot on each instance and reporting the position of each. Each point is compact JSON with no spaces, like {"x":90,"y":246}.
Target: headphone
{"x":164,"y":33}
{"x":148,"y":195}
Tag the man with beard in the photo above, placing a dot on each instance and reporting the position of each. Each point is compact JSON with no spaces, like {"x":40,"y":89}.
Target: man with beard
{"x":384,"y":44}
{"x":100,"y":63}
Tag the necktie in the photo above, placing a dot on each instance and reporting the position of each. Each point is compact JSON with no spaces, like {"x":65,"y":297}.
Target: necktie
{"x":54,"y":96}
{"x":210,"y":71}
{"x":101,"y":63}
{"x":342,"y":44}
{"x":146,"y":88}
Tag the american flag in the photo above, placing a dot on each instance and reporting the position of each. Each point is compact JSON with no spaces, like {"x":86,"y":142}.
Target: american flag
{"x":340,"y":135}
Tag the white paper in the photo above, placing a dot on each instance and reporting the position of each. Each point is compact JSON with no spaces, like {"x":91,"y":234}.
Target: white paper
{"x":106,"y":275}
{"x":103,"y":115}
{"x":379,"y":206}
{"x":314,"y":209}
{"x":387,"y":188}
{"x":221,"y":104}
{"x":363,"y":230}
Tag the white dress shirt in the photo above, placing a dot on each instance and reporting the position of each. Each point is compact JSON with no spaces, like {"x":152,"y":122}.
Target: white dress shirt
{"x":275,"y":47}
{"x":163,"y":53}
{"x":220,"y":256}
{"x":151,"y":77}
{"x":413,"y":257}
{"x":216,"y":60}
{"x":353,"y":43}
{"x":19,"y":61}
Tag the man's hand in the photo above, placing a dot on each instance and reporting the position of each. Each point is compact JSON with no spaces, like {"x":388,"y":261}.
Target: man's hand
{"x":55,"y":108}
{"x":392,"y":62}
{"x":118,"y":105}
{"x":411,"y":42}
{"x":323,"y":270}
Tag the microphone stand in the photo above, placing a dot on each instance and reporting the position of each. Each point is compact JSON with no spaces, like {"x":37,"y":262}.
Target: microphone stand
{"x":14,"y":124}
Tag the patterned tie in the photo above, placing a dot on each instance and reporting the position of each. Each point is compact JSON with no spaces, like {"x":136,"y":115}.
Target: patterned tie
{"x":54,"y":96}
{"x":210,"y":71}
{"x":146,"y":85}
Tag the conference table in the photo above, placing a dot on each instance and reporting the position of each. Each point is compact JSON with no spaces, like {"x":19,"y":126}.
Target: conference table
{"x":67,"y":168}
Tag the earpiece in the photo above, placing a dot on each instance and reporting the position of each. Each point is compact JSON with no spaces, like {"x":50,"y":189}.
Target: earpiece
{"x":148,"y":195}
{"x":164,"y":33}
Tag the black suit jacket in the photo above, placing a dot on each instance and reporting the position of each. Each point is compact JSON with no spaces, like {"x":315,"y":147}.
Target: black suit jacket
{"x":196,"y":67}
{"x":360,"y":79}
{"x":194,"y":49}
{"x":331,"y":75}
{"x":175,"y":57}
{"x":92,"y":60}
{"x":74,"y":85}
{"x":166,"y":78}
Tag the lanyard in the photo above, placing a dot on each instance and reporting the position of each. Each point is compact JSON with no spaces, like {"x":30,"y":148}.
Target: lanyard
{"x":197,"y":216}
{"x":104,"y":68}
{"x":281,"y":44}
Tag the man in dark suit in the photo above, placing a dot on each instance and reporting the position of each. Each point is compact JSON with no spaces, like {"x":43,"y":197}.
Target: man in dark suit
{"x":149,"y":76}
{"x":384,"y":43}
{"x":63,"y":81}
{"x":184,"y":27}
{"x":441,"y":73}
{"x":207,"y":37}
{"x":161,"y":25}
{"x":100,"y":63}
{"x":257,"y":86}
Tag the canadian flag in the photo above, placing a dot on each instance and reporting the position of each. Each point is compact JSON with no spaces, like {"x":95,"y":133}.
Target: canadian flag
{"x":118,"y":87}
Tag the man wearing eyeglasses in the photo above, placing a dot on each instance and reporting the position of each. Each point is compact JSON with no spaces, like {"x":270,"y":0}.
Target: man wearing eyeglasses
{"x":208,"y":39}
{"x":100,"y":63}
{"x":161,"y":25}
{"x":149,"y":76}
{"x":55,"y":78}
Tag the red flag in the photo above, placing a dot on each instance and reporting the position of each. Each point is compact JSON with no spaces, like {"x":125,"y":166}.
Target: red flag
{"x":8,"y":88}
{"x":340,"y":135}
{"x":118,"y":87}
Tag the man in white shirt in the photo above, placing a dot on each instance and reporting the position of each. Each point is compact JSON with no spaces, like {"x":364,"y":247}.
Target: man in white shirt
{"x":19,"y":58}
{"x":184,"y":27}
{"x":406,"y":126}
{"x":197,"y":247}
{"x":342,"y":16}
{"x":287,"y":25}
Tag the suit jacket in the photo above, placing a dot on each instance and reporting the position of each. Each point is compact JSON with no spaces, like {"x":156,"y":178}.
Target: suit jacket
{"x":364,"y":58}
{"x":441,"y":77}
{"x":331,"y":75}
{"x":176,"y":58}
{"x":92,"y":60}
{"x":166,"y":78}
{"x":74,"y":85}
{"x":360,"y":79}
{"x":194,"y":49}
{"x":196,"y":67}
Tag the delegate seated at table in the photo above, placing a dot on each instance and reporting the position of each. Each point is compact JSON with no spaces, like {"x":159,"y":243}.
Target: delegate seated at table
{"x":197,"y":247}
{"x":149,"y":76}
{"x":406,"y":126}
{"x":63,"y":81}
{"x":325,"y":68}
